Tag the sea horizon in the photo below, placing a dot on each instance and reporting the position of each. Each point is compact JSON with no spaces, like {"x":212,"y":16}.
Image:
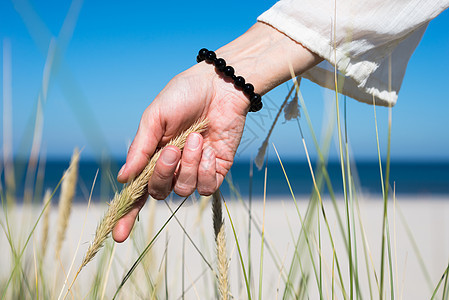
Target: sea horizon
{"x":412,"y":178}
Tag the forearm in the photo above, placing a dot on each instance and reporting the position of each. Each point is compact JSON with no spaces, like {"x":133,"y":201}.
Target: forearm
{"x":262,"y":56}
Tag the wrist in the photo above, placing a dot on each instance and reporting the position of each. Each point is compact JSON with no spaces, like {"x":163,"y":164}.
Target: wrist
{"x":226,"y":71}
{"x":262,"y":56}
{"x":213,"y":85}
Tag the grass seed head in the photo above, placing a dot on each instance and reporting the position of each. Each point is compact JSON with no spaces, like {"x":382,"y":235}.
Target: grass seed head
{"x":68,"y":187}
{"x":220,"y":239}
{"x":123,"y":202}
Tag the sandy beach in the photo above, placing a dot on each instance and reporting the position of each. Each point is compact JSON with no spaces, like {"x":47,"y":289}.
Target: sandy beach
{"x":419,"y":220}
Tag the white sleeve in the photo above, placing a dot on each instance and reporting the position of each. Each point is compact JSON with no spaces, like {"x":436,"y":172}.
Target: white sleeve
{"x":368,"y":33}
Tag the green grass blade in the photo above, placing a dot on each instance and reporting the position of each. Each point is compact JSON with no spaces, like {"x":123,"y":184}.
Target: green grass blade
{"x":416,"y":249}
{"x":322,"y":163}
{"x":20,"y":254}
{"x":297,"y":242}
{"x":366,"y":251}
{"x":345,"y":193}
{"x":147,"y":248}
{"x":443,"y":277}
{"x":385,"y":202}
{"x":317,"y":193}
{"x":250,"y":200}
{"x":446,"y":288}
{"x":321,"y":263}
{"x":385,"y":210}
{"x":304,"y":231}
{"x":183,"y":266}
{"x":390,"y":262}
{"x":248,"y":290}
{"x":190,"y":239}
{"x":351,"y":208}
{"x":271,"y":250}
{"x":166,"y":265}
{"x":263,"y":232}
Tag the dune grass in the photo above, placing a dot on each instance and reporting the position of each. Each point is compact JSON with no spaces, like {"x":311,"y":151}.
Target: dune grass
{"x":308,"y":272}
{"x":333,"y":256}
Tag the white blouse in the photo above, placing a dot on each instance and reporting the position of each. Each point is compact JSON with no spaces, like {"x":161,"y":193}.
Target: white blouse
{"x":361,"y":36}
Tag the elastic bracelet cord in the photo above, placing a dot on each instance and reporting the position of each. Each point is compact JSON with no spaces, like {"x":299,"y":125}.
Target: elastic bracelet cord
{"x":239,"y":81}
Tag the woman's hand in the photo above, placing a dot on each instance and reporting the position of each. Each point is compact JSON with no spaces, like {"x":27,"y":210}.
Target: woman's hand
{"x":197,"y":93}
{"x":262,"y":56}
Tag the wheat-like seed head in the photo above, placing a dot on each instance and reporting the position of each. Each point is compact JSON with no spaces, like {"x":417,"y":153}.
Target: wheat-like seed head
{"x":223,"y":264}
{"x":123,"y":202}
{"x":220,"y":239}
{"x":261,"y":153}
{"x":217,"y":214}
{"x":291,"y":110}
{"x":68,"y":187}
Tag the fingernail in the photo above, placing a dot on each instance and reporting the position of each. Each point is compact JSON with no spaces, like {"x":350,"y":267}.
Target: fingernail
{"x":169,"y":156}
{"x":121,"y":170}
{"x":193,"y":141}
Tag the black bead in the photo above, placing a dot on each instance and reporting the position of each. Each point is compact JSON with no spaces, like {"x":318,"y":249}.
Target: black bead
{"x":220,"y":64}
{"x":199,"y":59}
{"x":228,"y":71}
{"x":210,"y":56}
{"x":255,"y":106}
{"x":256,"y":98}
{"x":239,"y":81}
{"x":248,"y":89}
{"x":202,"y":53}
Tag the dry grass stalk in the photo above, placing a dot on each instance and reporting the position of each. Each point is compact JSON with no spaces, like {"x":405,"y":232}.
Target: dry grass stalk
{"x":220,"y":239}
{"x":263,"y":148}
{"x":136,"y":189}
{"x":291,"y":110}
{"x":204,"y":203}
{"x":152,"y":212}
{"x":148,"y":260}
{"x":45,"y":222}
{"x":68,"y":187}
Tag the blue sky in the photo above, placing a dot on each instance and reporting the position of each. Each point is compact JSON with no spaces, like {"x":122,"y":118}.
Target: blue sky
{"x":120,"y":55}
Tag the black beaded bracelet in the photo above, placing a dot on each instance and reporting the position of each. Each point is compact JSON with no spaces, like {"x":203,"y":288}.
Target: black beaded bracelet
{"x":239,"y":81}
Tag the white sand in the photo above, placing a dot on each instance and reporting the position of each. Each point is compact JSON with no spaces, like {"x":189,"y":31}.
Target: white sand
{"x":427,"y":218}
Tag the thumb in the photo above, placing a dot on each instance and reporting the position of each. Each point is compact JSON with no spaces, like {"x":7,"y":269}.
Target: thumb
{"x":143,"y":146}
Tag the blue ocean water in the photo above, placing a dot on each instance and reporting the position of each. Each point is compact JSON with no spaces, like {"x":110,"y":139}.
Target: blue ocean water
{"x":410,"y":178}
